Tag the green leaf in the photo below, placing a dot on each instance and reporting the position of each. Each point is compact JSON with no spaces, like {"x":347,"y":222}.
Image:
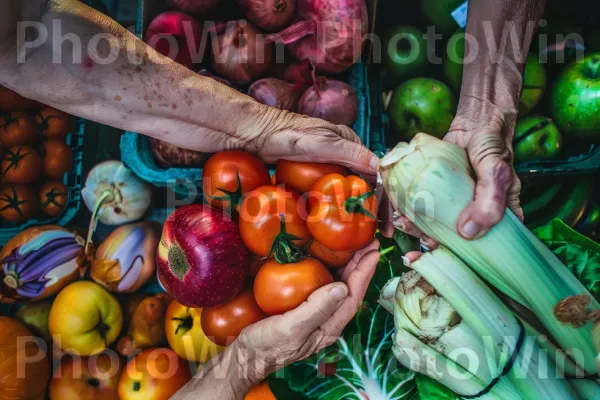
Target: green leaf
{"x":430,"y":389}
{"x":579,"y":253}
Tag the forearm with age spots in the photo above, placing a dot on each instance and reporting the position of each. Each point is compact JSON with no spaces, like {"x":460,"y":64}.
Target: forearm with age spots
{"x":501,"y":32}
{"x":140,"y":90}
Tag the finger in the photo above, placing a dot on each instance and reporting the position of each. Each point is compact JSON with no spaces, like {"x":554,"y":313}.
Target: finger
{"x":407,"y":226}
{"x":347,"y":133}
{"x":386,"y":213}
{"x":513,"y":202}
{"x":358,"y":283}
{"x":411,"y":257}
{"x":494,"y":178}
{"x":429,"y":243}
{"x":315,"y":311}
{"x":353,"y":264}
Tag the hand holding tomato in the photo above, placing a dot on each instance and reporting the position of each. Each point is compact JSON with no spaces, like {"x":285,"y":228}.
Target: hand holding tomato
{"x":284,"y":339}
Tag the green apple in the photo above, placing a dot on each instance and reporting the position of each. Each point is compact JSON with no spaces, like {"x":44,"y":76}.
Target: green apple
{"x":453,"y":62}
{"x":35,"y":317}
{"x":536,"y":138}
{"x":439,"y":13}
{"x":575,"y":101}
{"x":404,"y":53}
{"x":534,"y":84}
{"x":421,"y":105}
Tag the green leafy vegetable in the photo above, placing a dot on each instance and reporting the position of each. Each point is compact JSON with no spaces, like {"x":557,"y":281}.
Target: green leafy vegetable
{"x":579,"y":253}
{"x":430,"y":389}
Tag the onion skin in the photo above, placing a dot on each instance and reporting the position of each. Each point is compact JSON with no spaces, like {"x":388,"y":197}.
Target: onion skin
{"x":331,"y":100}
{"x":168,"y":155}
{"x":126,"y":259}
{"x":201,"y":259}
{"x":275,"y":93}
{"x":268,"y":15}
{"x":330,"y":33}
{"x":173,"y":23}
{"x":242,"y":53}
{"x":194,"y":6}
{"x":300,"y":72}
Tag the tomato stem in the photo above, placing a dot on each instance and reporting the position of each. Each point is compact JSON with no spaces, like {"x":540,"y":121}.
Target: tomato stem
{"x":355,"y":204}
{"x":235,"y":197}
{"x":283,"y":250}
{"x":387,"y":250}
{"x":186,"y":323}
{"x":12,"y":202}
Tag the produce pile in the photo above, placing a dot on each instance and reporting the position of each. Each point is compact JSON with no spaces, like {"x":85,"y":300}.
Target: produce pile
{"x":34,"y":157}
{"x":257,"y":247}
{"x":246,"y":53}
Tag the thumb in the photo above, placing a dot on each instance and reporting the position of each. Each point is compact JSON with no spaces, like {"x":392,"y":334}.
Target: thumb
{"x":316,"y":310}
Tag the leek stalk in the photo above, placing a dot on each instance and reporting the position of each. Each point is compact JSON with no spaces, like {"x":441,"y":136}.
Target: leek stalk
{"x":430,"y":181}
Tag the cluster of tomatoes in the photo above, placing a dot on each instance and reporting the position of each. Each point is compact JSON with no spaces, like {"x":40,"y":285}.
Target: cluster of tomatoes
{"x":34,"y":158}
{"x":305,"y":220}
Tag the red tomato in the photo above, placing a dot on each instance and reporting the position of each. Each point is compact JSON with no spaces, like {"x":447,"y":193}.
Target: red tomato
{"x":53,"y":198}
{"x":58,"y":158}
{"x":224,"y":323}
{"x":342,"y":212}
{"x":279,"y":288}
{"x":12,"y":101}
{"x":331,"y":258}
{"x":18,"y":203}
{"x":302,"y":176}
{"x":260,"y":392}
{"x":17,"y":129}
{"x":271,"y":222}
{"x":228,"y":175}
{"x":53,"y":123}
{"x":21,"y":165}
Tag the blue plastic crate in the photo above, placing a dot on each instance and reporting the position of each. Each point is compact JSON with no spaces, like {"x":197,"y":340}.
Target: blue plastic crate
{"x":137,"y":155}
{"x":73,"y":180}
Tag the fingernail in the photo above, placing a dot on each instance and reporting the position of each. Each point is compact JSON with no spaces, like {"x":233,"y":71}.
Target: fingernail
{"x":339,"y":292}
{"x":406,"y":261}
{"x":374,"y":163}
{"x":470,"y":229}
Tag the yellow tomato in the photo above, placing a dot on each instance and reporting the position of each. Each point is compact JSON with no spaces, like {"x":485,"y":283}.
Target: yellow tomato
{"x":85,"y":319}
{"x":185,"y":334}
{"x":155,"y":374}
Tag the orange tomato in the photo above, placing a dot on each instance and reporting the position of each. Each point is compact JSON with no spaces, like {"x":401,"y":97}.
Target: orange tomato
{"x":53,"y":198}
{"x":89,"y":378}
{"x":185,"y":335}
{"x":279,"y":288}
{"x":228,"y":175}
{"x":12,"y":101}
{"x":20,"y":380}
{"x":224,"y":323}
{"x":53,"y":123}
{"x":331,"y":258}
{"x":301,"y":176}
{"x":262,"y":391}
{"x":155,"y":374}
{"x":17,"y":129}
{"x":21,"y":165}
{"x":17,"y":203}
{"x":342,"y":212}
{"x":57,"y":157}
{"x":271,"y":222}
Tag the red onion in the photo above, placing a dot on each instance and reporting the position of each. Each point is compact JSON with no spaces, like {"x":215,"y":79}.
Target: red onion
{"x":242,"y":53}
{"x":330,"y":33}
{"x":208,"y":74}
{"x":331,"y":100}
{"x":194,"y":6}
{"x":302,"y":72}
{"x":276,"y":93}
{"x":268,"y":15}
{"x":168,"y":155}
{"x":201,"y":259}
{"x":176,"y":35}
